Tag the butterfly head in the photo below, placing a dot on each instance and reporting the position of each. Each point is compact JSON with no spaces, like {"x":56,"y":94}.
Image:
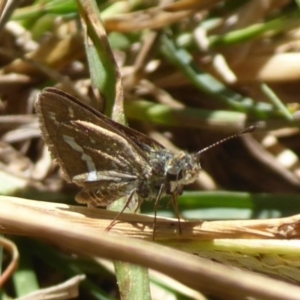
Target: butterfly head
{"x":182,"y":168}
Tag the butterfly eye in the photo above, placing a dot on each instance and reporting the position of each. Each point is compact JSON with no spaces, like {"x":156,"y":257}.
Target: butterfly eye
{"x":174,"y":177}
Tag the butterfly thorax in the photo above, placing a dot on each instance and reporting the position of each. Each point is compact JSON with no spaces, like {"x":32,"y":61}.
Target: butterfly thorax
{"x":168,"y":171}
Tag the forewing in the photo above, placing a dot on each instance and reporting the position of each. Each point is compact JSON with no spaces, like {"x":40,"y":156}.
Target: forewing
{"x":60,"y":117}
{"x":105,"y":155}
{"x":141,"y":140}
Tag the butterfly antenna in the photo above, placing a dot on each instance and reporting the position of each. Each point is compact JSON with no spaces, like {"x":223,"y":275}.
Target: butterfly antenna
{"x":247,"y":130}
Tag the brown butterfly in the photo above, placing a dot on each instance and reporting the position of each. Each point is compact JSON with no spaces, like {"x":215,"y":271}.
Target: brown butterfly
{"x":109,"y":160}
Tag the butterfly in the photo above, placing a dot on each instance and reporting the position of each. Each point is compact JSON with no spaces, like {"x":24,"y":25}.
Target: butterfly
{"x":109,"y":160}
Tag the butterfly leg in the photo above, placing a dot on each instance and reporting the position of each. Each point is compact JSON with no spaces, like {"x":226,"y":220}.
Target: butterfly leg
{"x":176,"y":209}
{"x":130,"y":197}
{"x":139,"y":205}
{"x":158,"y":197}
{"x":174,"y":194}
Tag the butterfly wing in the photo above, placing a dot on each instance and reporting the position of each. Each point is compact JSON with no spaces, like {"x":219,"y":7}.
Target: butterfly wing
{"x":114,"y":167}
{"x":90,"y":149}
{"x":140,"y":139}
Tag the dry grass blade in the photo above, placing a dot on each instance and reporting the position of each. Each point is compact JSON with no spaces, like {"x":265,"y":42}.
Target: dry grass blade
{"x":6,"y":9}
{"x":153,"y":18}
{"x":66,"y":290}
{"x":141,"y":226}
{"x":193,"y":271}
{"x":267,"y":246}
{"x":276,"y":258}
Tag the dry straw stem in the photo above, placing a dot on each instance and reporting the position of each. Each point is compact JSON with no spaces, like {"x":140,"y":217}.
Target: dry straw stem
{"x":265,"y":68}
{"x":78,"y":230}
{"x":156,"y":17}
{"x":54,"y":52}
{"x":13,"y":250}
{"x":141,"y":226}
{"x":66,"y":290}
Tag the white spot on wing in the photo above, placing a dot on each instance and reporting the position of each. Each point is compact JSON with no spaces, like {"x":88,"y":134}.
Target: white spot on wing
{"x":92,"y":174}
{"x":71,"y":112}
{"x":52,"y":116}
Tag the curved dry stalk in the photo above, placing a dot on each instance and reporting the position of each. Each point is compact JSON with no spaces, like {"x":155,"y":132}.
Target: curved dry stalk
{"x":12,"y":248}
{"x":269,"y":246}
{"x":141,"y":226}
